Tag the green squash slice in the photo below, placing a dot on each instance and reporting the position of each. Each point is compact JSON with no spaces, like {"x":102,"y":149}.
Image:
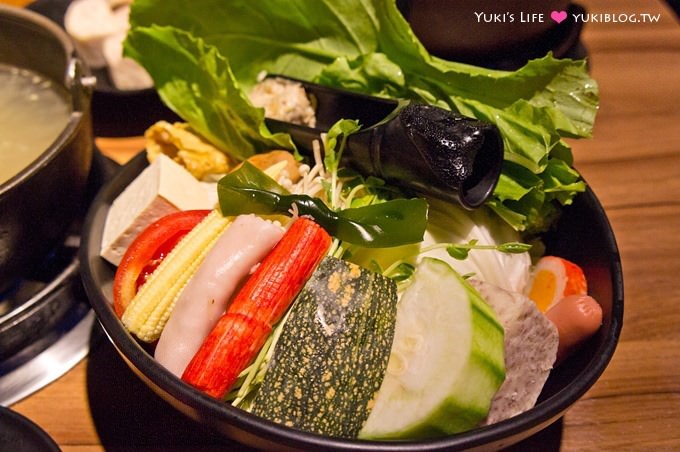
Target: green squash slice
{"x":332,"y":354}
{"x":446,"y":362}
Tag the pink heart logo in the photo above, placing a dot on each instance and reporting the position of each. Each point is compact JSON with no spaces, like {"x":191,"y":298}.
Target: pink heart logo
{"x":558,"y":16}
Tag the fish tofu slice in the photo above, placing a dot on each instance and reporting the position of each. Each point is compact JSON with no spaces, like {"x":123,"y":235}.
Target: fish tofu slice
{"x":530,"y":350}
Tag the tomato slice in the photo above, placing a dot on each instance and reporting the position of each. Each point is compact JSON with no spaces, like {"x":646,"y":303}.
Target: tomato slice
{"x":147,"y":251}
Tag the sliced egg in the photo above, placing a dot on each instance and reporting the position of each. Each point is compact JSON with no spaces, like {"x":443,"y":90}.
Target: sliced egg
{"x":554,"y":278}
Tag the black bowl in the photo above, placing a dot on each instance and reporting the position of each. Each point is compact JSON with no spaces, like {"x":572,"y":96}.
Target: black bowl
{"x":583,"y":223}
{"x":20,"y":434}
{"x":115,"y":112}
{"x":503,"y":34}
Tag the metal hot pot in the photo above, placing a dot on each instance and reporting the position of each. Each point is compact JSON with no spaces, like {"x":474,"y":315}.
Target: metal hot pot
{"x":40,"y":202}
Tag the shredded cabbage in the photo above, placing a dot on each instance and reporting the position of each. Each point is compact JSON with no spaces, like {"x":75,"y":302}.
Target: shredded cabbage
{"x":449,"y":223}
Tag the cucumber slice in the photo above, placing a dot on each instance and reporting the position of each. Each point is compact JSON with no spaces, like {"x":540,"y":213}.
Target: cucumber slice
{"x":446,"y":362}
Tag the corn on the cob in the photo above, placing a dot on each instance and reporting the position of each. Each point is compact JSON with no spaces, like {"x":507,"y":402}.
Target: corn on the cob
{"x":150,"y":309}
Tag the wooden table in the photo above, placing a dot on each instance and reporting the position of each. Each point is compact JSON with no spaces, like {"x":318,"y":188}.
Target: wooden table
{"x":632,"y":163}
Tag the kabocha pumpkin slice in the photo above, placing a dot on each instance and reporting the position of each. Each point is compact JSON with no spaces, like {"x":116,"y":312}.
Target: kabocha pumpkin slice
{"x":264,"y":298}
{"x":446,"y":362}
{"x":332,"y":354}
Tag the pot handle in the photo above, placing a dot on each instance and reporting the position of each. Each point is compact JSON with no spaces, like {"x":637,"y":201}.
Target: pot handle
{"x":80,"y":82}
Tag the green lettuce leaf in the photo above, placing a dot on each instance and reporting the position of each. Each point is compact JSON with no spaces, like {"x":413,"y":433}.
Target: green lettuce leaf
{"x":367,"y":46}
{"x":195,"y":81}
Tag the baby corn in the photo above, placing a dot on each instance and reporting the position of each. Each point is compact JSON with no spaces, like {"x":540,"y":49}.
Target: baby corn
{"x":149,"y":310}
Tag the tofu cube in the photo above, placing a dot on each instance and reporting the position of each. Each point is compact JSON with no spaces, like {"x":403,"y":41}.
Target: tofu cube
{"x":162,"y":188}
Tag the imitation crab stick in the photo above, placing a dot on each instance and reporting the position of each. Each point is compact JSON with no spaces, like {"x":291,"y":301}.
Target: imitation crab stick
{"x":260,"y":303}
{"x":554,"y":278}
{"x":576,"y":317}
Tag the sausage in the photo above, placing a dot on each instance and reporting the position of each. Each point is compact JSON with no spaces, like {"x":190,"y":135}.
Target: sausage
{"x":576,"y":317}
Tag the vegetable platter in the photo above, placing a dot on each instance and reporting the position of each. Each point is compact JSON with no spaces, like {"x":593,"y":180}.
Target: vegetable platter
{"x":348,"y":285}
{"x":598,"y":256}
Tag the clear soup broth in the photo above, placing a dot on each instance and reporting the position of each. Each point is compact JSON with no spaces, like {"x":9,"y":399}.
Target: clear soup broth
{"x":33,"y":112}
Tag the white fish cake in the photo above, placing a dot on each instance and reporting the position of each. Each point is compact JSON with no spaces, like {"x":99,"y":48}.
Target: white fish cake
{"x":530,"y":350}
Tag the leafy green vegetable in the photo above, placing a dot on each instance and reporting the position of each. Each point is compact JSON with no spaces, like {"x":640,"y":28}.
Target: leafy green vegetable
{"x":386,"y":224}
{"x":367,"y":46}
{"x":195,"y":81}
{"x":333,"y":153}
{"x":340,"y":130}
